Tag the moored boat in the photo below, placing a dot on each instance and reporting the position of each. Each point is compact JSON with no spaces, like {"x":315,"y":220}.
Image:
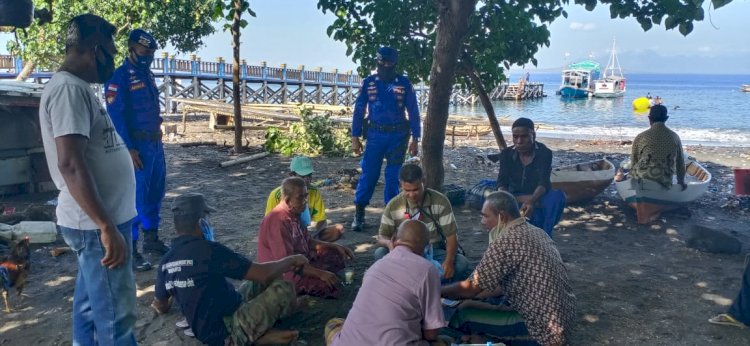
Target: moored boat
{"x":612,"y":83}
{"x":578,"y":79}
{"x":745,"y":88}
{"x":650,"y":199}
{"x":583,"y":181}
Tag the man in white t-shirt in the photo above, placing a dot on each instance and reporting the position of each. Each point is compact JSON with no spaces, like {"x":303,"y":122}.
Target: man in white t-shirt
{"x":91,"y":167}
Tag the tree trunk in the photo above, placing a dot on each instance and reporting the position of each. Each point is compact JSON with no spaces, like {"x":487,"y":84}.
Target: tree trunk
{"x":484,"y":97}
{"x":453,"y":23}
{"x":28,"y":69}
{"x":236,"y":76}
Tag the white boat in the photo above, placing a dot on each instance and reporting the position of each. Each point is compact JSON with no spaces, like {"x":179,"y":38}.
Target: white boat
{"x":583,"y":181}
{"x":650,"y":199}
{"x":612,"y":83}
{"x":745,"y":88}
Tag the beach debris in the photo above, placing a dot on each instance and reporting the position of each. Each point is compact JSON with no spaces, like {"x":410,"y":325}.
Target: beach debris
{"x":244,"y":159}
{"x":57,"y":251}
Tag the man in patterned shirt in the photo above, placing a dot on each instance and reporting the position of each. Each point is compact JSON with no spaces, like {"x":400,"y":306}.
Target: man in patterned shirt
{"x":657,"y":152}
{"x":524,"y":266}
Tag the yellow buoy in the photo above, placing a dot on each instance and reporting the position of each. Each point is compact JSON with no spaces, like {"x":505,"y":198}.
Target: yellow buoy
{"x":641,"y":104}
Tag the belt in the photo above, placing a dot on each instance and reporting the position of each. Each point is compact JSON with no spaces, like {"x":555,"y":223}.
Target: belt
{"x":402,"y":127}
{"x":146,"y":135}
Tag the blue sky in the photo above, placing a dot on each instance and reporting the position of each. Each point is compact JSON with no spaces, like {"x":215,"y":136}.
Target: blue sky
{"x":293,"y":32}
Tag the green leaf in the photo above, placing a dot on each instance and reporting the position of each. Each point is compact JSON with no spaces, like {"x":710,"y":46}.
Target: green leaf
{"x":686,"y":28}
{"x":720,"y":3}
{"x":670,"y":23}
{"x":243,"y":23}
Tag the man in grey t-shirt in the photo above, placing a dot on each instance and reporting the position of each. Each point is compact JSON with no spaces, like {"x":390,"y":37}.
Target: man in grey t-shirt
{"x":91,"y":167}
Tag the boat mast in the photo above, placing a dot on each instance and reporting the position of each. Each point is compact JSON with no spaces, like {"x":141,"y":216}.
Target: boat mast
{"x":613,"y":64}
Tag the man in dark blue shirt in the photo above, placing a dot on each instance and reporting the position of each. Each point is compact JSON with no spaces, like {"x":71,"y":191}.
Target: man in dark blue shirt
{"x":525,"y":170}
{"x":133,"y":103}
{"x":194,"y":272}
{"x":385,"y":97}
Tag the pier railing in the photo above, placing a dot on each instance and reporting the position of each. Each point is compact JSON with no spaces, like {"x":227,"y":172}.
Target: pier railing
{"x":212,"y":80}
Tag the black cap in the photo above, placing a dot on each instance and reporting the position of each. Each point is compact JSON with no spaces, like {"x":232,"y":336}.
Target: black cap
{"x":191,"y":204}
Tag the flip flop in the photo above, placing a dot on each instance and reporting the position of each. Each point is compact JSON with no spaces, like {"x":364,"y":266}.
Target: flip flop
{"x":726,"y":320}
{"x":182,"y":324}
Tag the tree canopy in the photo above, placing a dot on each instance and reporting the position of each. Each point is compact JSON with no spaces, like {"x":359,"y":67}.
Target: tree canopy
{"x":181,"y":23}
{"x":442,"y":41}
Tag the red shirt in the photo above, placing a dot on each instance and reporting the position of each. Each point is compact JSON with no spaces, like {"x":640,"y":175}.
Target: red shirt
{"x":281,"y":234}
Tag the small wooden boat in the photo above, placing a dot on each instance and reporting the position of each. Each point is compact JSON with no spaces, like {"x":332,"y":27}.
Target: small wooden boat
{"x":583,"y":181}
{"x":650,"y":199}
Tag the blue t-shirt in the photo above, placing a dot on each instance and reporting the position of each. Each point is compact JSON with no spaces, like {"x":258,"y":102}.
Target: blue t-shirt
{"x":194,"y":272}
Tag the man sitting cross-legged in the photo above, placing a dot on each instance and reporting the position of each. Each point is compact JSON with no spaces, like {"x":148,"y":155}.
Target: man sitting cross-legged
{"x":399,"y":301}
{"x":315,"y":213}
{"x":521,"y":264}
{"x":281,"y":234}
{"x":525,"y":170}
{"x":434,"y":209}
{"x":194,"y":272}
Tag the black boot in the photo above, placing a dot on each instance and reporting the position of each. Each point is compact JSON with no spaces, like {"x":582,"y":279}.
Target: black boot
{"x":139,"y":263}
{"x":358,"y":225}
{"x":152,"y":244}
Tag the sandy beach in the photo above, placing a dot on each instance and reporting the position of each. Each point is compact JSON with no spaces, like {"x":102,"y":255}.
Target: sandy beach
{"x":634,"y":284}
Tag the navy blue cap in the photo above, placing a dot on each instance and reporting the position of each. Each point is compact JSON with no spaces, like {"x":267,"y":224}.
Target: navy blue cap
{"x":143,"y":38}
{"x":387,"y":54}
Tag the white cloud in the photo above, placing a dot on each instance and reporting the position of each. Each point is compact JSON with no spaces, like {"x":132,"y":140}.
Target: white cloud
{"x":582,"y":26}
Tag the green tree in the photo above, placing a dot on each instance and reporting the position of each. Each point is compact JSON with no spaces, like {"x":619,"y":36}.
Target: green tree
{"x":181,"y":23}
{"x":468,"y":42}
{"x":231,"y":11}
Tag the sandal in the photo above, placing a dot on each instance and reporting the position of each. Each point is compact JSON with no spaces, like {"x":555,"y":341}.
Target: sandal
{"x":182,"y":324}
{"x":726,"y":320}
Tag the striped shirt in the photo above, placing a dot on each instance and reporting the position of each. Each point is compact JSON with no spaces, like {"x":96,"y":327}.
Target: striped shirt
{"x":435,"y":207}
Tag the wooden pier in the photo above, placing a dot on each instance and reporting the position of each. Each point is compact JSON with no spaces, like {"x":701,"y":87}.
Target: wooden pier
{"x":518,"y":91}
{"x":194,"y":79}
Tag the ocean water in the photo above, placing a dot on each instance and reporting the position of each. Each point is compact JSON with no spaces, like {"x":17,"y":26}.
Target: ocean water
{"x":703,"y":109}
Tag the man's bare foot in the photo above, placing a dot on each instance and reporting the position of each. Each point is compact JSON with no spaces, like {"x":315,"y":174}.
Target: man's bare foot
{"x":277,"y":336}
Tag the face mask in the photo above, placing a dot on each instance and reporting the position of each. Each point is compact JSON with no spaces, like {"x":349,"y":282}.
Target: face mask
{"x":208,"y":230}
{"x":105,"y":66}
{"x":386,"y":73}
{"x":143,"y":62}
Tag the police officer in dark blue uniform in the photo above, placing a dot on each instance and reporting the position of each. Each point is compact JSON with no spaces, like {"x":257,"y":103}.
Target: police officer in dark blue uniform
{"x":386,"y":97}
{"x":133,"y":105}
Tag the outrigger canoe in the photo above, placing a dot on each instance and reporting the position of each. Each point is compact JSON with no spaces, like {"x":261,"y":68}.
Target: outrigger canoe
{"x":583,"y":181}
{"x":650,"y":199}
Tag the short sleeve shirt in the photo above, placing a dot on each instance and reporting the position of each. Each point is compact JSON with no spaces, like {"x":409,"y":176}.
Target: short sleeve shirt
{"x":399,"y":297}
{"x":523,"y":180}
{"x":69,"y":107}
{"x":435,"y":210}
{"x":524,"y":262}
{"x":314,"y":203}
{"x":194,"y":271}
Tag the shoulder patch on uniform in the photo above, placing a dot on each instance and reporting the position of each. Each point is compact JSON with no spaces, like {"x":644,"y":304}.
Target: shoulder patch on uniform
{"x":112,"y":87}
